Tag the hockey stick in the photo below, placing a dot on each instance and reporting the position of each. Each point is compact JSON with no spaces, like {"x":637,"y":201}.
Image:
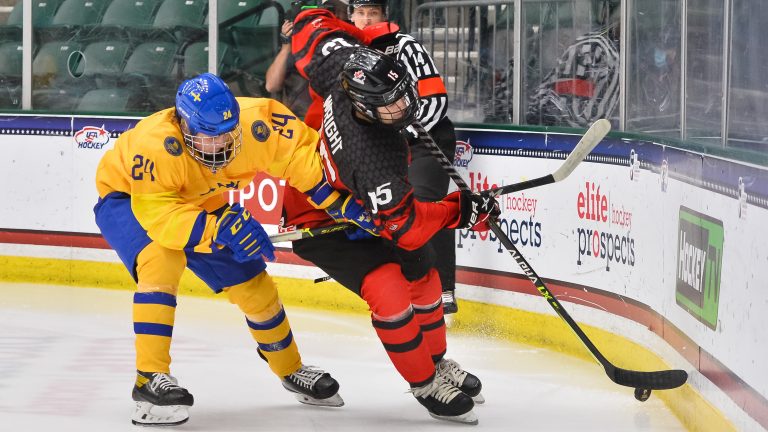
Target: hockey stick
{"x":308,"y":232}
{"x":657,"y":380}
{"x":586,"y":144}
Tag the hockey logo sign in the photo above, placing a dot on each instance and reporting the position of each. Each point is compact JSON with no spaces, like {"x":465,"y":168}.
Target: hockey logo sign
{"x":463,"y":154}
{"x":92,"y":137}
{"x":699,"y":262}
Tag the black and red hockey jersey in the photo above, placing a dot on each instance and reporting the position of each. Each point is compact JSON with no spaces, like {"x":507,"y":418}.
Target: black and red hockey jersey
{"x":368,"y":159}
{"x":315,"y":28}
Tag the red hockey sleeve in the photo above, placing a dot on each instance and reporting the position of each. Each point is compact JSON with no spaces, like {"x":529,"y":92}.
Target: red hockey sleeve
{"x":310,"y":28}
{"x":413,"y":224}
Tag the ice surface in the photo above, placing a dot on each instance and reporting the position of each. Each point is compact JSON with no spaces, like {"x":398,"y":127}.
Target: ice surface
{"x":67,"y":363}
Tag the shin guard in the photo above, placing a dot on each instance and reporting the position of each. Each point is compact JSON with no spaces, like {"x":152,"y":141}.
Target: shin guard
{"x":386,"y":292}
{"x":153,"y":317}
{"x":426,"y":300}
{"x":268,"y":323}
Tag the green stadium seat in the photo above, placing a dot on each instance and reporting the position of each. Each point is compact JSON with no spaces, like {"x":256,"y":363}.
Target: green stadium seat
{"x":63,"y":99}
{"x":256,"y":58}
{"x":126,"y":13}
{"x":272,"y":16}
{"x":104,"y":62}
{"x":110,"y":100}
{"x":54,"y":86}
{"x":10,"y":95}
{"x":73,"y":13}
{"x":152,"y":59}
{"x":10,"y":75}
{"x":196,"y":59}
{"x":74,"y":20}
{"x":42,"y":14}
{"x":253,"y":58}
{"x":56,"y":76}
{"x":151,"y":69}
{"x":11,"y":53}
{"x":56,"y":63}
{"x":182,"y":20}
{"x":230,"y":9}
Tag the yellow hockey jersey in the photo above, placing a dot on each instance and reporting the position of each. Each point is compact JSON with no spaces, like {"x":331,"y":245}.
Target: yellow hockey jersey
{"x":172,"y":194}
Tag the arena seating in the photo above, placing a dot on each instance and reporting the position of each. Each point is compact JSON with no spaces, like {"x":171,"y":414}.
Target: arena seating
{"x":128,"y":56}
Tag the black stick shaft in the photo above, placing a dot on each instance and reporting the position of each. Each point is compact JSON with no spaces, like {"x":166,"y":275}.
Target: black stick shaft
{"x":656,"y":380}
{"x":308,"y":232}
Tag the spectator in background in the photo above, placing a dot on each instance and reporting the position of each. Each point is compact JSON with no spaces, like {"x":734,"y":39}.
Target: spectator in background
{"x":584,"y":86}
{"x":657,"y":104}
{"x":281,"y":74}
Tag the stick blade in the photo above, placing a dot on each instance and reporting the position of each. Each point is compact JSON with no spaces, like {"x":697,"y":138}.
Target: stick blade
{"x":657,"y":380}
{"x":586,"y":144}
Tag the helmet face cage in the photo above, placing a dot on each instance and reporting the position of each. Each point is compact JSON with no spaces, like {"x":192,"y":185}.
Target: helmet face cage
{"x":353,"y":4}
{"x":402,"y":112}
{"x":214,"y":152}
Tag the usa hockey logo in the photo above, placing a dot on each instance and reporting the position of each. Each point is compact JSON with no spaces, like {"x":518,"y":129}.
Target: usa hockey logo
{"x":359,"y":76}
{"x":92,"y":137}
{"x":463,"y":154}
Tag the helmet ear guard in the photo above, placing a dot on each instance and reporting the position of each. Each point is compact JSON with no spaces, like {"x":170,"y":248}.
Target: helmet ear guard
{"x":210,"y":118}
{"x":378,"y":84}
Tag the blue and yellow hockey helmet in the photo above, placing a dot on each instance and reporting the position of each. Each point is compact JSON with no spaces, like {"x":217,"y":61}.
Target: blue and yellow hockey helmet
{"x":210,"y":120}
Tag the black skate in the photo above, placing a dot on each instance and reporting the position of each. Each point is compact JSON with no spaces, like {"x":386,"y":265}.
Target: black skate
{"x":449,"y":303}
{"x":451,"y":372}
{"x":314,"y":386}
{"x":446,"y":402}
{"x":160,"y":401}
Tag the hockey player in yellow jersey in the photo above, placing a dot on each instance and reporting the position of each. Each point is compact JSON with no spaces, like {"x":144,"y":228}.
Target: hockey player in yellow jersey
{"x":162,"y":208}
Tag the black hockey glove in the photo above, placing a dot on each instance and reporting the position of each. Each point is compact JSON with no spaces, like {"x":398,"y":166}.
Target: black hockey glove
{"x":476,"y":210}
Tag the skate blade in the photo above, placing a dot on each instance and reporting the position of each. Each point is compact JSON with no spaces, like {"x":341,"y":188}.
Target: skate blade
{"x":479,"y":399}
{"x":333,"y":401}
{"x":147,"y":414}
{"x":448,"y":320}
{"x":468,"y":418}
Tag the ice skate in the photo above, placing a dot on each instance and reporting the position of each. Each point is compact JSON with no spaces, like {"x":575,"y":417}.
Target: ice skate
{"x":451,"y":372}
{"x":446,"y":402}
{"x":449,"y":303}
{"x":160,"y":401}
{"x":314,"y":386}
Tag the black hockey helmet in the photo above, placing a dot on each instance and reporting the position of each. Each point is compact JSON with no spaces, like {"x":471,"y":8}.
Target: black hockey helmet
{"x":357,"y":3}
{"x":376,"y":83}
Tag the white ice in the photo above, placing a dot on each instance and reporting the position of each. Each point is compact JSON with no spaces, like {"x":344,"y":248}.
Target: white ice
{"x":67,"y":363}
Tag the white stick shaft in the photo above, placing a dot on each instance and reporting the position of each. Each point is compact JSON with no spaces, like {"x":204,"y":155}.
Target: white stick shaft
{"x":586,"y":144}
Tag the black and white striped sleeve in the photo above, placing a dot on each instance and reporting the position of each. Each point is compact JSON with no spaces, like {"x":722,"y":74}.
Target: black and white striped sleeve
{"x":433,"y":98}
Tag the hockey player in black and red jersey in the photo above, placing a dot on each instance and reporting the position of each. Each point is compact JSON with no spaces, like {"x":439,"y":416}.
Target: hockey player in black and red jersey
{"x":429,"y":180}
{"x":368,"y":100}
